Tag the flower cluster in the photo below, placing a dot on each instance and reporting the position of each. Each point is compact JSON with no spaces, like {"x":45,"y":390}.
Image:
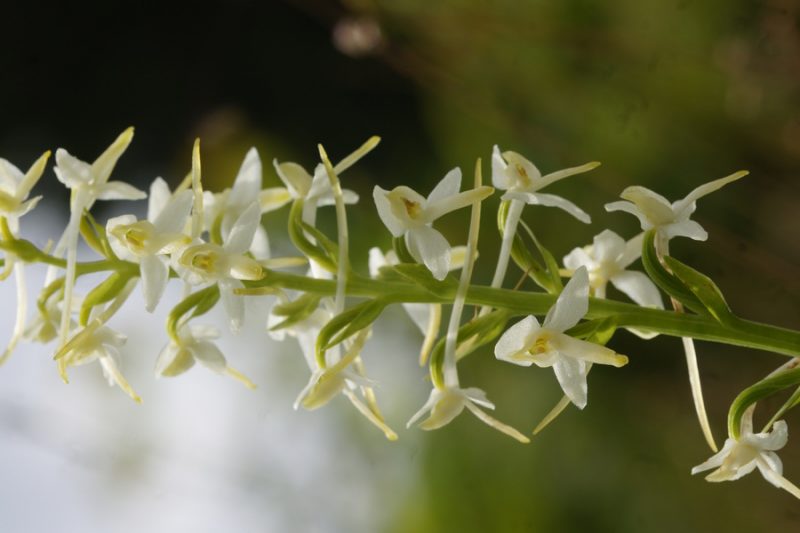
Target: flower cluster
{"x":215,"y":245}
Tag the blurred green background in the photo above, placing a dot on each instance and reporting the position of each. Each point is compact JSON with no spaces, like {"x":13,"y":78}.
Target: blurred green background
{"x":667,"y":94}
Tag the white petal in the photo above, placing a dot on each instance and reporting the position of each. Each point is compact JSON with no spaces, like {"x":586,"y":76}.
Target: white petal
{"x":247,"y":185}
{"x":376,"y":261}
{"x":449,"y":186}
{"x":639,"y":288}
{"x":572,"y":303}
{"x":154,"y":272}
{"x":172,"y":219}
{"x":707,"y":188}
{"x":588,"y":351}
{"x":118,"y":190}
{"x":260,"y":245}
{"x":553,"y":177}
{"x":165,"y":358}
{"x":104,"y":164}
{"x":633,"y":250}
{"x":428,"y":246}
{"x":295,"y":177}
{"x":157,"y":198}
{"x":203,"y":332}
{"x":233,"y":303}
{"x":209,"y":356}
{"x":516,"y":160}
{"x":571,"y":375}
{"x":607,"y":246}
{"x":71,"y":171}
{"x":478,"y":396}
{"x":384,"y":207}
{"x":500,"y":178}
{"x":775,"y":439}
{"x":717,"y":459}
{"x":686,"y":228}
{"x":496,"y":424}
{"x":516,"y":339}
{"x":273,"y":198}
{"x":243,"y":230}
{"x":550,"y":200}
{"x":577,"y":258}
{"x":431,"y":401}
{"x":654,"y":206}
{"x":10,"y":176}
{"x":631,"y":208}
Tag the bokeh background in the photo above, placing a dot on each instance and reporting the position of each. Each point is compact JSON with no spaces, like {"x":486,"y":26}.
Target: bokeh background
{"x":667,"y":94}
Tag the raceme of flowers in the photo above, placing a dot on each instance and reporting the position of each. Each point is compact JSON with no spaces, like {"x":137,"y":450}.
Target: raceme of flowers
{"x":214,"y":244}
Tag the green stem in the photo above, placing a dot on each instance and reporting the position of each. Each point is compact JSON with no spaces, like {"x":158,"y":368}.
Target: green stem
{"x":744,"y":333}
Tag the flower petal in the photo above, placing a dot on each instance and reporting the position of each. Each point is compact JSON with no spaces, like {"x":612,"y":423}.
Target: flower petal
{"x":210,"y":356}
{"x":571,"y":375}
{"x":104,"y":164}
{"x":429,"y":247}
{"x":707,"y":188}
{"x":550,"y":200}
{"x":247,"y":185}
{"x":516,"y":339}
{"x":496,"y":424}
{"x":686,"y":228}
{"x":500,"y":178}
{"x":273,"y":198}
{"x":118,"y":190}
{"x":639,"y":288}
{"x":553,"y":177}
{"x":449,"y":186}
{"x":384,"y":207}
{"x":233,"y":303}
{"x":295,"y":177}
{"x":71,"y":171}
{"x":173,"y":218}
{"x":157,"y":198}
{"x":577,"y":258}
{"x":631,"y":208}
{"x":154,"y":272}
{"x":572,"y":303}
{"x":588,"y":351}
{"x":607,"y":246}
{"x":420,"y":314}
{"x":243,"y":230}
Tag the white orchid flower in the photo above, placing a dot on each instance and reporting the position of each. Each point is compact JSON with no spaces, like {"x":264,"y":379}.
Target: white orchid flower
{"x":444,"y":404}
{"x":88,"y":183}
{"x":739,"y":457}
{"x":406,"y":213}
{"x":669,"y":219}
{"x":15,"y":187}
{"x":546,"y":345}
{"x":225,"y":265}
{"x":100,"y":343}
{"x":224,"y":208}
{"x":146,"y":241}
{"x":522,"y":181}
{"x":194,"y":345}
{"x":607,"y":260}
{"x":316,"y":190}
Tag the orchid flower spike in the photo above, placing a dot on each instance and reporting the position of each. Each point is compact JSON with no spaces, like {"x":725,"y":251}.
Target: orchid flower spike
{"x":739,"y":457}
{"x":225,"y":265}
{"x":194,"y":344}
{"x":406,"y":213}
{"x":670,"y":220}
{"x":546,"y":345}
{"x":147,"y":241}
{"x":522,"y":181}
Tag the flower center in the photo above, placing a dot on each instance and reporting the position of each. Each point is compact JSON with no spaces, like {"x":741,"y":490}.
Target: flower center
{"x":522,"y":175}
{"x":412,"y":208}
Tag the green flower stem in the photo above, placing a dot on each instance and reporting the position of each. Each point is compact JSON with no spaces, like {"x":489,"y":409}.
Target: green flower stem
{"x":741,"y":332}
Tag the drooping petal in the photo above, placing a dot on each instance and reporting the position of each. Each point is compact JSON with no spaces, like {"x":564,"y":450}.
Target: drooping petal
{"x":571,"y":375}
{"x":210,"y":356}
{"x":118,"y":190}
{"x":429,"y":247}
{"x":516,"y":339}
{"x":154,"y":272}
{"x":550,"y":200}
{"x":572,"y":303}
{"x":247,"y":185}
{"x":449,"y":186}
{"x":233,"y":303}
{"x":639,"y":288}
{"x":629,"y":207}
{"x":496,"y":424}
{"x":775,"y":439}
{"x":686,"y":228}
